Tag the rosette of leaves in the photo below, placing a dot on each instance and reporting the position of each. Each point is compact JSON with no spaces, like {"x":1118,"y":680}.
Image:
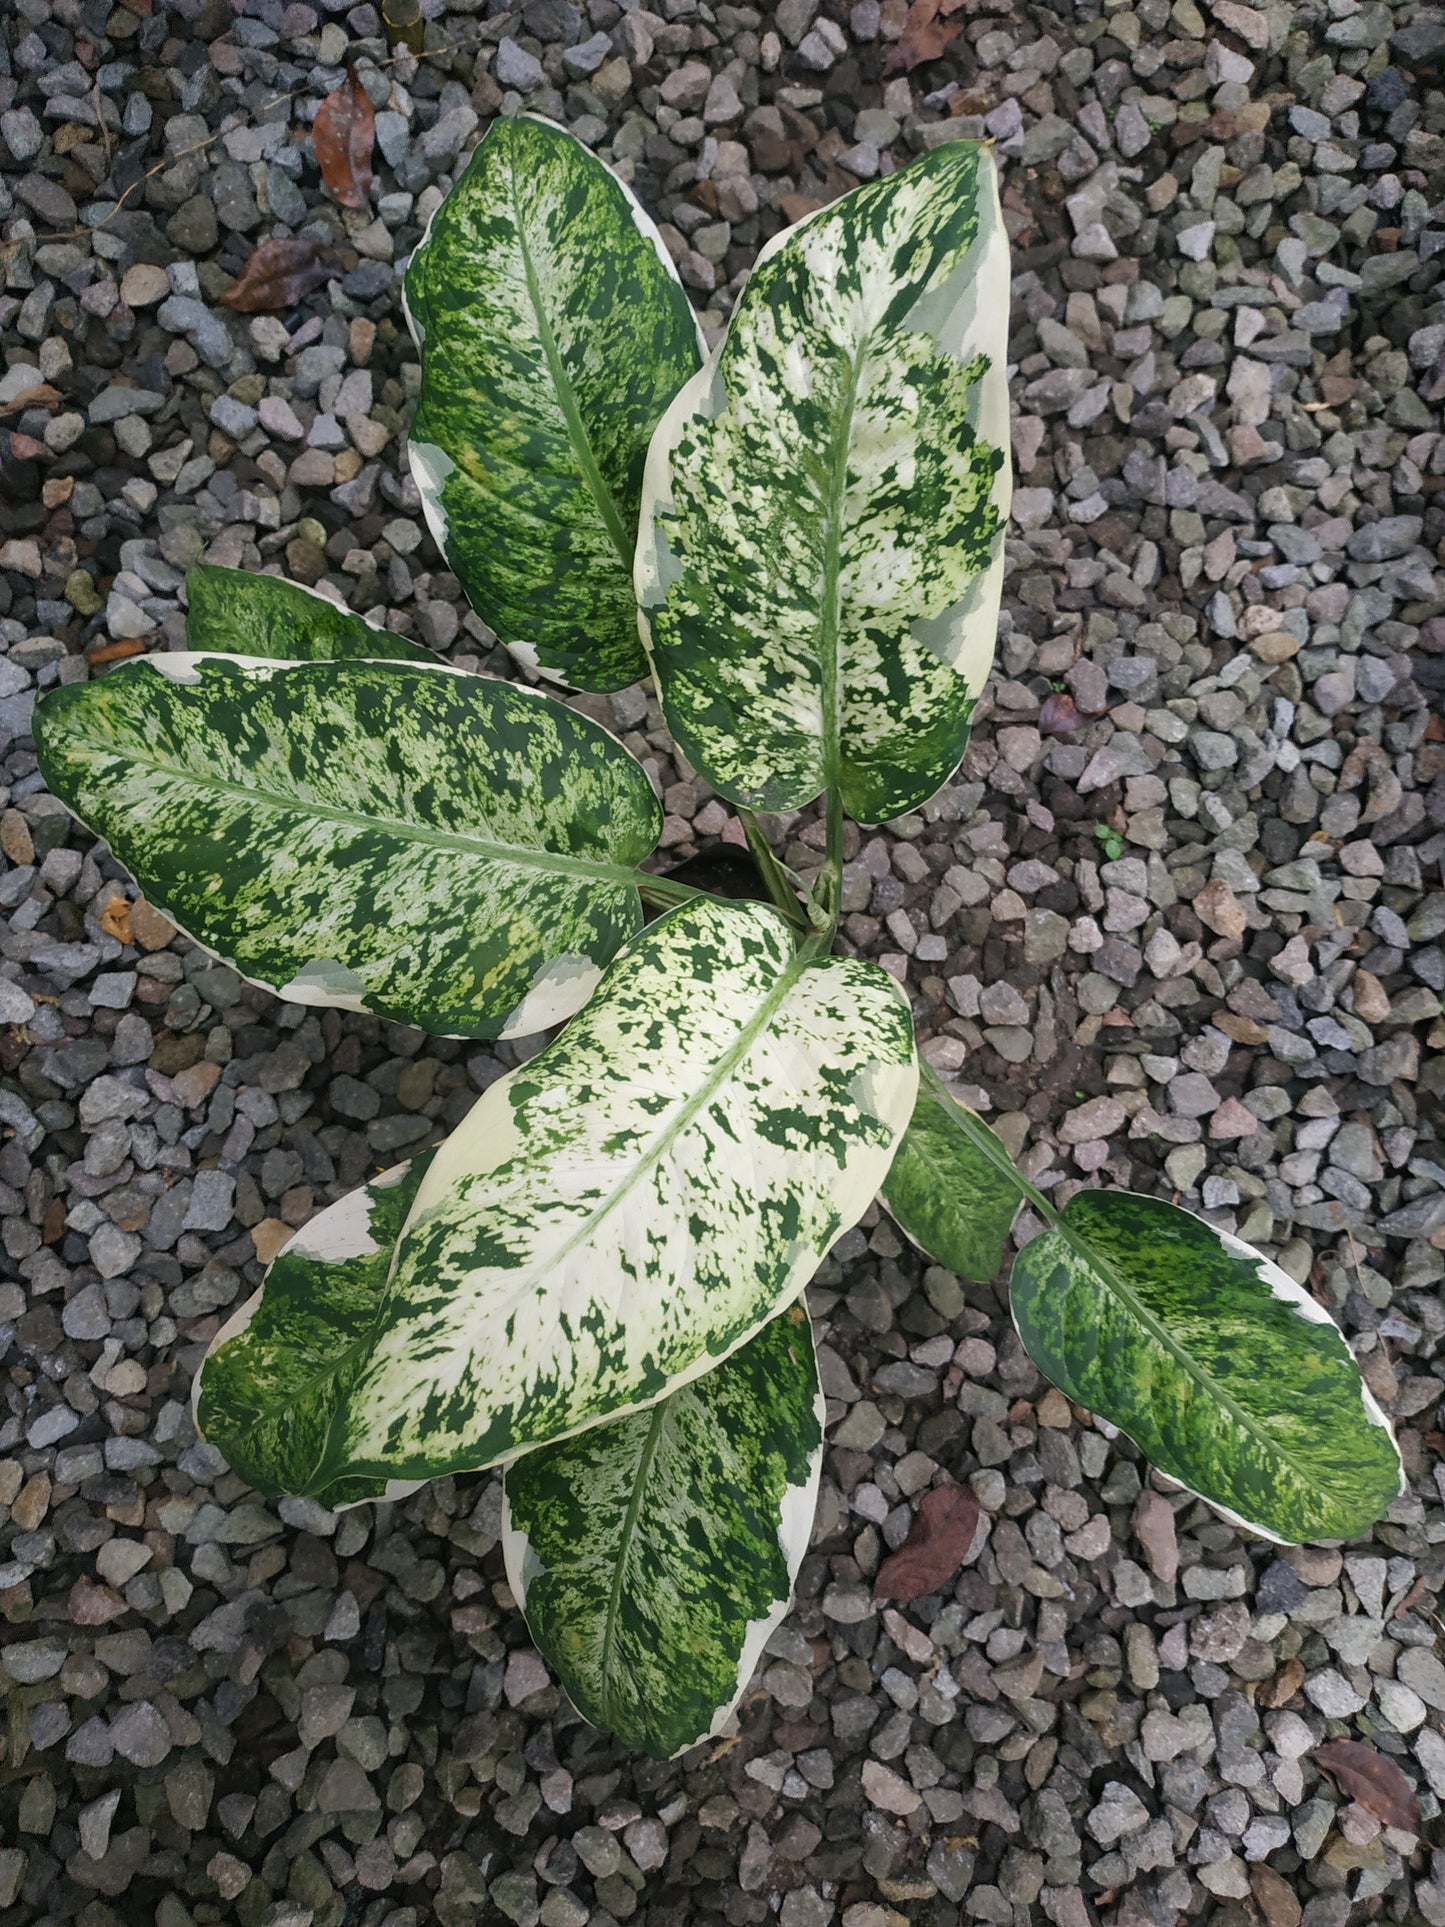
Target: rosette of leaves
{"x":595,"y":1280}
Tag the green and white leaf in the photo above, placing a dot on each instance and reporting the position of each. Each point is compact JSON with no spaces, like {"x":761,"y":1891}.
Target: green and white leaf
{"x":1222,"y":1369}
{"x":616,"y":1217}
{"x":821,"y":554}
{"x":655,"y":1555}
{"x":554,"y":332}
{"x":953,"y":1201}
{"x":233,"y":612}
{"x":448,"y":851}
{"x":270,"y":1383}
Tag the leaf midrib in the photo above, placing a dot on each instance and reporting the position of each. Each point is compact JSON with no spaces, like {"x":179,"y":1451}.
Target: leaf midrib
{"x":726,"y":1064}
{"x":424,"y":835}
{"x":662,"y":1142}
{"x":566,"y":395}
{"x":649,"y":1452}
{"x":830,"y":638}
{"x":1103,"y":1266}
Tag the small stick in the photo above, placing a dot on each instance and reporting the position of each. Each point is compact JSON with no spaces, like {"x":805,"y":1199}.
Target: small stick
{"x":100,"y":118}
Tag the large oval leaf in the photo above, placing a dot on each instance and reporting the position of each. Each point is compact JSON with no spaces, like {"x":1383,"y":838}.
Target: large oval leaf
{"x":1214,"y":1361}
{"x":270,"y":1384}
{"x":553,"y":333}
{"x":653,"y":1556}
{"x":949,"y":1196}
{"x":235,"y":613}
{"x":616,"y":1217}
{"x":449,"y":851}
{"x":821,"y":553}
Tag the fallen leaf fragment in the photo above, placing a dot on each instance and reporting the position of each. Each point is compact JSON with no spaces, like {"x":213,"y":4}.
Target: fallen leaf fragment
{"x":115,"y":920}
{"x":1060,"y":715}
{"x":42,"y":395}
{"x":927,"y":33}
{"x":935,"y":1548}
{"x":279,"y":273}
{"x":1283,"y":1687}
{"x":343,"y":135}
{"x":1377,"y":1783}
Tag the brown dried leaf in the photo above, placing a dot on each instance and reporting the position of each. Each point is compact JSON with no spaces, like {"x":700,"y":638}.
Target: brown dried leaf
{"x":935,"y":1547}
{"x":115,"y":920}
{"x":927,"y":33}
{"x":42,"y":395}
{"x":343,"y":135}
{"x":279,"y":273}
{"x":1283,"y":1687}
{"x":1059,"y":715}
{"x":1377,"y":1783}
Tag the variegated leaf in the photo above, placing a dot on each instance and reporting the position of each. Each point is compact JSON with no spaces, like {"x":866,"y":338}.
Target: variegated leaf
{"x":619,"y":1215}
{"x":821,"y":552}
{"x":553,"y":332}
{"x":653,"y":1556}
{"x":1216,"y":1363}
{"x":270,"y":1384}
{"x":233,"y":612}
{"x":449,"y":851}
{"x":952,"y":1200}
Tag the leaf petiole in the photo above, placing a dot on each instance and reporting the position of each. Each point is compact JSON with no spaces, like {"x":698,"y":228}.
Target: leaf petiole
{"x":664,"y":893}
{"x":986,"y":1142}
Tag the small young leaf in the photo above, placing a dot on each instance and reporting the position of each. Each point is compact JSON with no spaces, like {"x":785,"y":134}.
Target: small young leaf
{"x":343,"y":135}
{"x":620,"y":1214}
{"x":655,"y":1554}
{"x":448,"y":851}
{"x":1220,"y":1368}
{"x":275,"y":1373}
{"x":278,"y":274}
{"x":821,"y":552}
{"x":1377,"y":1783}
{"x":936,"y":1546}
{"x":953,"y":1202}
{"x":553,"y":333}
{"x":234,"y":612}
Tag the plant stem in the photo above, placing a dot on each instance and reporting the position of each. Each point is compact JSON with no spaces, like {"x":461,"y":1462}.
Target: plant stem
{"x":779,"y":885}
{"x":828,"y":889}
{"x":663,"y":891}
{"x":666,"y":894}
{"x":986,"y":1143}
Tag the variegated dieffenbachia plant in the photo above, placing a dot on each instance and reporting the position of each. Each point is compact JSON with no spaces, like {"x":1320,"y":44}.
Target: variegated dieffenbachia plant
{"x":595,"y":1281}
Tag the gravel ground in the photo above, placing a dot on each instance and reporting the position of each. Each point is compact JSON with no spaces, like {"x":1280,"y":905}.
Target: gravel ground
{"x":1193,"y":947}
